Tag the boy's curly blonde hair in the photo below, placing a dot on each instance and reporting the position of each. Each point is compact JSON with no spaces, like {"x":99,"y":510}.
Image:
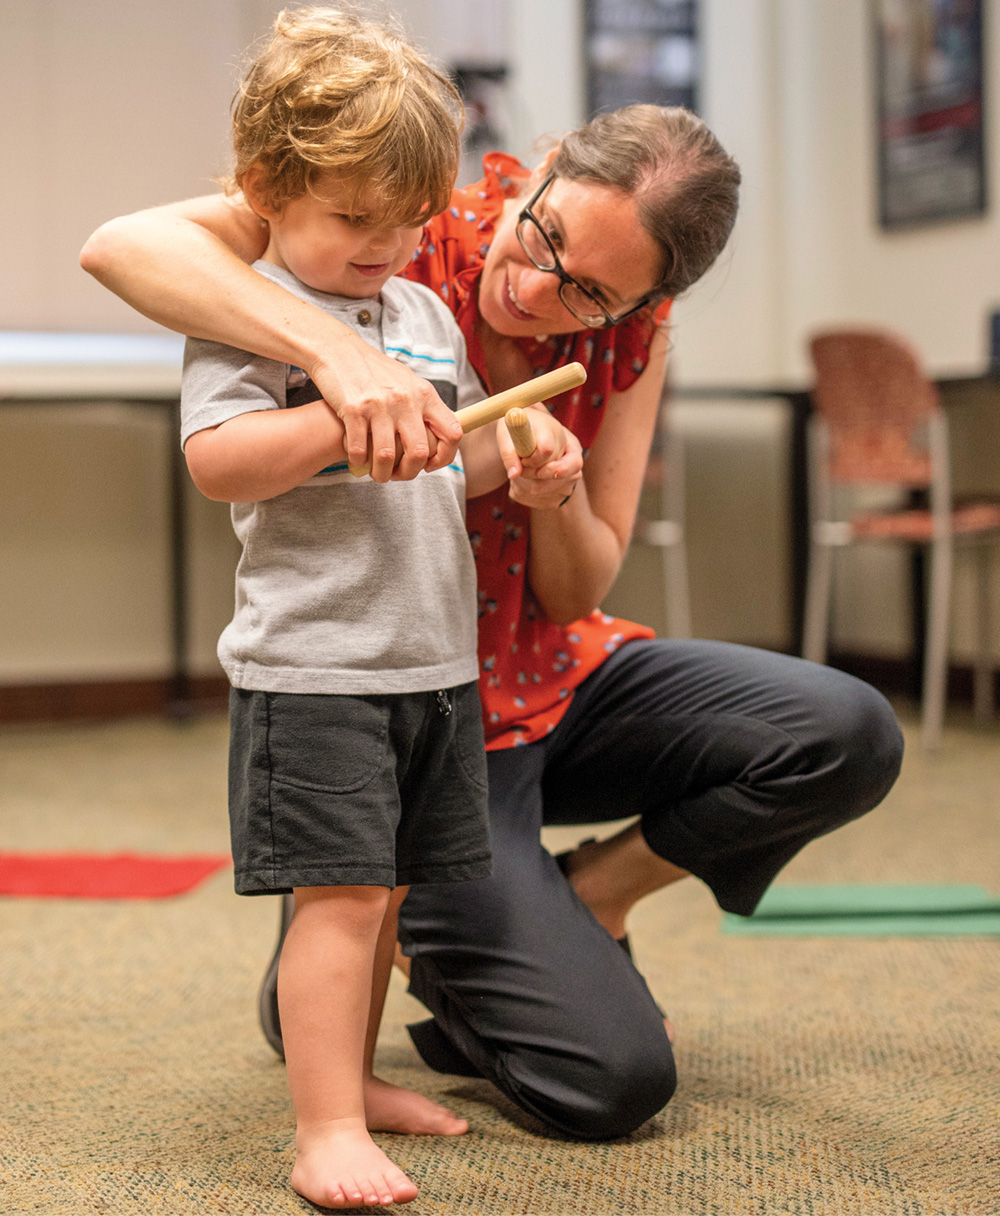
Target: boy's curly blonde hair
{"x":331,"y":92}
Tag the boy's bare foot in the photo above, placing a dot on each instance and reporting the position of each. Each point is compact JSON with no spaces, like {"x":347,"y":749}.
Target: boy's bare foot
{"x":390,"y":1108}
{"x":338,"y":1165}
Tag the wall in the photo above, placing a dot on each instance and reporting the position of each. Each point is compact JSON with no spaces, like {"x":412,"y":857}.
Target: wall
{"x":789,"y":90}
{"x":936,"y":284}
{"x":115,"y":105}
{"x":109,"y":107}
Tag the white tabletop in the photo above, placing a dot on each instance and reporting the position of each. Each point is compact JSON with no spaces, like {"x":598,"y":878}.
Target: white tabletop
{"x":86,"y":367}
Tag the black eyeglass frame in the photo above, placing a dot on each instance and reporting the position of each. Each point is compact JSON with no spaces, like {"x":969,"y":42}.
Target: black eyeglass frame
{"x":526,"y":215}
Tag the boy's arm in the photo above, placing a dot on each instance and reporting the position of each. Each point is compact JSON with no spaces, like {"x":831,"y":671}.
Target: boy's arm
{"x":184,"y":265}
{"x":240,"y":444}
{"x":264,"y":453}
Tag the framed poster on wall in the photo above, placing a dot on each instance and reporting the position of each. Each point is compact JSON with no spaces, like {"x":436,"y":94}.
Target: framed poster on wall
{"x":929,"y":67}
{"x":641,"y":50}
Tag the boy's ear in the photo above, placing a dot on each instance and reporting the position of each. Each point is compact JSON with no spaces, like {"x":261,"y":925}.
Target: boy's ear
{"x":252,"y":185}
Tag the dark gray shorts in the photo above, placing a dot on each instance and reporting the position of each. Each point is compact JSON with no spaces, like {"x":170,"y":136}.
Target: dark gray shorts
{"x":356,"y":791}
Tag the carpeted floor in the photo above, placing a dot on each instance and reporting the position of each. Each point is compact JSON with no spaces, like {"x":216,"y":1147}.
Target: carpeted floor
{"x":818,"y":1076}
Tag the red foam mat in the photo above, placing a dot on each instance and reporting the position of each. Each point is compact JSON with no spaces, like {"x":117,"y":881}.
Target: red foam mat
{"x":104,"y":875}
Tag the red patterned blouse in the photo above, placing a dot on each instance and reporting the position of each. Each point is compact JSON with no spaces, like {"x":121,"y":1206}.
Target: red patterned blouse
{"x":528,"y":666}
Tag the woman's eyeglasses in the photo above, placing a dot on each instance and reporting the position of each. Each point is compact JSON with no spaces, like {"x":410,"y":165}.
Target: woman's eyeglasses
{"x":536,"y":244}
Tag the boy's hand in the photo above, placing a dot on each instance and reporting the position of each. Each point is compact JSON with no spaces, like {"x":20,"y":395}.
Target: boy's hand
{"x":434,"y":446}
{"x":543,"y":479}
{"x":378,"y":399}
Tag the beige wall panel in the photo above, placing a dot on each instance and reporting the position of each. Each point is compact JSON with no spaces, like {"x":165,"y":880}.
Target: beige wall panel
{"x":736,"y":487}
{"x":83,"y":566}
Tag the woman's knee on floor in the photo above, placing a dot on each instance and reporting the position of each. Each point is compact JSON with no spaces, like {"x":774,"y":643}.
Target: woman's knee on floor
{"x":603,"y":1092}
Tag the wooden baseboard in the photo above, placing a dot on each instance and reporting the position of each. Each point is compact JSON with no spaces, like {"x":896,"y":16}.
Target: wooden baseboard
{"x":99,"y":700}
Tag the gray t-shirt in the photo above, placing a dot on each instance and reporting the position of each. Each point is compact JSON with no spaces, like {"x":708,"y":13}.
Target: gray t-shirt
{"x":345,"y":585}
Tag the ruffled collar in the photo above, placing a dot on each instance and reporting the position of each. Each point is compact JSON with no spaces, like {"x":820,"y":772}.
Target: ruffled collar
{"x":503,"y":178}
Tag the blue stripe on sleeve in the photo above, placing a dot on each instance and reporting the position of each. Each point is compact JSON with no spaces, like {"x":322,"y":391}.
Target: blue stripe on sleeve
{"x":401,"y":350}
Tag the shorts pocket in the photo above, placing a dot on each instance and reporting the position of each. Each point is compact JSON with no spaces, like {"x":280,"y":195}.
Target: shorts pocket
{"x":326,"y":742}
{"x":470,"y":744}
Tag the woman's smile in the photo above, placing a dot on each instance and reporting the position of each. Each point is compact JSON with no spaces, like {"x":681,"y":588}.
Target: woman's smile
{"x":515,"y":306}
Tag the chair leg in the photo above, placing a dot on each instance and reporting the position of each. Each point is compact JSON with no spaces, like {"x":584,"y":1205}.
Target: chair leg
{"x":982,"y":679}
{"x":819,"y":585}
{"x":677,"y":590}
{"x":936,"y":654}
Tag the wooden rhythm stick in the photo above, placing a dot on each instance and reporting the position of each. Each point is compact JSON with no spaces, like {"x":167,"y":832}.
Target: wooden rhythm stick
{"x":551,"y":384}
{"x":519,"y":427}
{"x":539,"y":389}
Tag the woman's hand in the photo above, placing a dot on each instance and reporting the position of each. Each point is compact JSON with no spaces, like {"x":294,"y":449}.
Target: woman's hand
{"x":546,"y":478}
{"x":377,"y":398}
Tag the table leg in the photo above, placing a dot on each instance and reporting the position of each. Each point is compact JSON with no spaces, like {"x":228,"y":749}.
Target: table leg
{"x":919,"y":500}
{"x":179,"y":701}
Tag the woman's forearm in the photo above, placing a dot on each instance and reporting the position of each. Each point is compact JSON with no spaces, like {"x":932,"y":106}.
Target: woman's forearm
{"x":574,"y":558}
{"x":192,"y":276}
{"x":484,"y":470}
{"x":577,"y":551}
{"x":185,"y":266}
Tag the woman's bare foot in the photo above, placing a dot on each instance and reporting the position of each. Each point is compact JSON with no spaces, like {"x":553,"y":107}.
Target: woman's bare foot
{"x":613,"y":874}
{"x":390,"y":1108}
{"x":338,"y":1165}
{"x":400,"y":960}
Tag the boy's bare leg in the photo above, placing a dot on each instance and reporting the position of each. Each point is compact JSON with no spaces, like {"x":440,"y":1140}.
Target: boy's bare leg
{"x":390,"y":1108}
{"x":324,"y":993}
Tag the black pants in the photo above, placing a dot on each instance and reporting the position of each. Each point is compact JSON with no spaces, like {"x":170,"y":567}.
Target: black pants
{"x":733,"y":759}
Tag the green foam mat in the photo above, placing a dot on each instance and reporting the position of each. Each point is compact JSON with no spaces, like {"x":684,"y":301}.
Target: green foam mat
{"x":866,"y":910}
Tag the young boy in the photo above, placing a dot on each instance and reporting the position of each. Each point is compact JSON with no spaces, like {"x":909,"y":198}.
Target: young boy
{"x":356,"y":753}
